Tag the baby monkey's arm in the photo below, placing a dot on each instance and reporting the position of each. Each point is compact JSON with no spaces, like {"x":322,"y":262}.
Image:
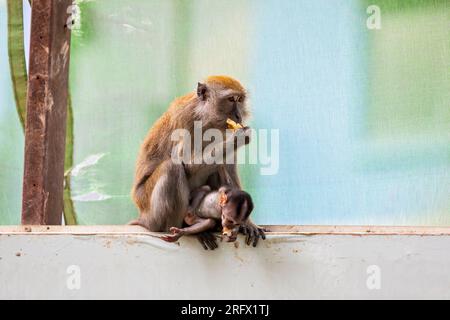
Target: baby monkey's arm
{"x":199,"y":225}
{"x":196,"y":224}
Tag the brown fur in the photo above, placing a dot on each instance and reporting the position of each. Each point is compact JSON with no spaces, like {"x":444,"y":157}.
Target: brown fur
{"x":154,"y":169}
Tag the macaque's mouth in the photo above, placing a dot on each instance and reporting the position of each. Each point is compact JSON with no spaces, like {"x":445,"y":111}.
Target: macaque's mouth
{"x":228,"y":235}
{"x":229,"y":238}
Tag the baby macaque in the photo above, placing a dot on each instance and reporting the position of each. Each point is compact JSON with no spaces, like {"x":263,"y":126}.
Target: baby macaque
{"x":207,"y":208}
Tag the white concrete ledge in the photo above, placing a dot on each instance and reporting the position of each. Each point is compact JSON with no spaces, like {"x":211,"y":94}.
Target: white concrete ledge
{"x":274,"y":229}
{"x":295,"y":262}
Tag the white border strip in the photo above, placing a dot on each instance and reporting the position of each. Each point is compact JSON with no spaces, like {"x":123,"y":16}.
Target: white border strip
{"x":274,"y":229}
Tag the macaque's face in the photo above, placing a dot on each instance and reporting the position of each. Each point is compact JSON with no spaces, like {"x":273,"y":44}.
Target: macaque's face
{"x":230,"y":225}
{"x":225,"y":98}
{"x":232,"y":106}
{"x":236,"y":208}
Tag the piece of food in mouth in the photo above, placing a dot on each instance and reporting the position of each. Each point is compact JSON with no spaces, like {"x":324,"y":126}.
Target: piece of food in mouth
{"x":226,"y":232}
{"x":227,"y":235}
{"x":233,"y":125}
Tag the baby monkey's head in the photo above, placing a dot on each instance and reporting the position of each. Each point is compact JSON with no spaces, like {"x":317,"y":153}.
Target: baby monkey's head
{"x":236,"y":208}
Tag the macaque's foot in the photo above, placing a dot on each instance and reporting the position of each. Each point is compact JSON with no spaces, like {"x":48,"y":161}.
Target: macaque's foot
{"x":253,"y":233}
{"x":177,"y":233}
{"x":134,"y":222}
{"x":208,"y":240}
{"x":137,"y":222}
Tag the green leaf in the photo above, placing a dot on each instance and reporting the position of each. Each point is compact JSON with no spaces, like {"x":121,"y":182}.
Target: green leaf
{"x":16,"y":52}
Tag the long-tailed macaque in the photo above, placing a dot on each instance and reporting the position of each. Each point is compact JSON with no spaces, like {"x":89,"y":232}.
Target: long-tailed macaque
{"x":226,"y":207}
{"x":161,"y":188}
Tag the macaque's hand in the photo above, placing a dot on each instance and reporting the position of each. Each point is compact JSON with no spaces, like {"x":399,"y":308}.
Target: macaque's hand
{"x":208,"y":240}
{"x":177,"y":233}
{"x":252,"y":233}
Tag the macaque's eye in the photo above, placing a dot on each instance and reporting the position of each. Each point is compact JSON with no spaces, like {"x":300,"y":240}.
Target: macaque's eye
{"x":240,"y":99}
{"x":232,"y":99}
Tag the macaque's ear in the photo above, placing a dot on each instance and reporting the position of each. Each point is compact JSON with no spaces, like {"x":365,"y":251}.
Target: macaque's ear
{"x":202,"y":90}
{"x":223,"y":199}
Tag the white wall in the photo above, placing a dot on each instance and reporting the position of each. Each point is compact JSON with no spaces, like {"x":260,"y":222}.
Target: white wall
{"x":123,"y":262}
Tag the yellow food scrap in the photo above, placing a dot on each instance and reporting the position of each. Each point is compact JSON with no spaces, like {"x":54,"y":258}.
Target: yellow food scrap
{"x":233,"y":125}
{"x":226,"y":232}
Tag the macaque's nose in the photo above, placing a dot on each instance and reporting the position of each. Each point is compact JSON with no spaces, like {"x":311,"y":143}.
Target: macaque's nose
{"x":238,"y":118}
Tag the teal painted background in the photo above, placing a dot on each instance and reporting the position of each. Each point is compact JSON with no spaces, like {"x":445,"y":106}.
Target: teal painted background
{"x":363,"y":115}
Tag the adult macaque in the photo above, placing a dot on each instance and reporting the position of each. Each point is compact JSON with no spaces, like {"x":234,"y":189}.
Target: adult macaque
{"x":161,"y":188}
{"x":229,"y":207}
